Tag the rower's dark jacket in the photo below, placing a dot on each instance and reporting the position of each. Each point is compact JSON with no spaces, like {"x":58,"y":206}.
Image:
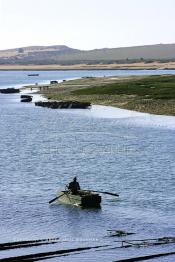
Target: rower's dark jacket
{"x":74,"y":187}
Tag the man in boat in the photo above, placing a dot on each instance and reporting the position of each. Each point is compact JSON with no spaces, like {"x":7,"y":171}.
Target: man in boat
{"x":74,"y":186}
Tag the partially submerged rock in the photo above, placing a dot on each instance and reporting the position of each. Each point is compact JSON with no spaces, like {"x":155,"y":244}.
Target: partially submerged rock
{"x":9,"y":90}
{"x":64,"y":104}
{"x":119,"y":233}
{"x":26,"y":98}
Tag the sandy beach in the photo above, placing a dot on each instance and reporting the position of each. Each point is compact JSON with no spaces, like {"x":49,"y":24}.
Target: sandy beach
{"x":126,"y":66}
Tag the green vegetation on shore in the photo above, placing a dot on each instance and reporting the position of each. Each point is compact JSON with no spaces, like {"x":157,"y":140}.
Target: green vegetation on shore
{"x":151,"y":94}
{"x":154,"y":87}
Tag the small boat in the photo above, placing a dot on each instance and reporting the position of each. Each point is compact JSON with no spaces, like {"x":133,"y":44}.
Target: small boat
{"x":33,"y":75}
{"x":84,"y":198}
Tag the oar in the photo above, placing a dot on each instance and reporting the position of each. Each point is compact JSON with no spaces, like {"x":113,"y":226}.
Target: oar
{"x":56,"y":198}
{"x":104,"y":192}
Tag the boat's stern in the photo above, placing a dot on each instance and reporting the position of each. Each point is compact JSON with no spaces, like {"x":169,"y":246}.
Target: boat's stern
{"x":91,"y":200}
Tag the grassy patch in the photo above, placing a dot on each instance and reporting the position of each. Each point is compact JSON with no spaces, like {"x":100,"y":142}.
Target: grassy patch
{"x":153,"y":87}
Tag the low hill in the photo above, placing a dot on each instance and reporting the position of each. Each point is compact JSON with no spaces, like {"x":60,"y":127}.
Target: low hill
{"x":64,"y":55}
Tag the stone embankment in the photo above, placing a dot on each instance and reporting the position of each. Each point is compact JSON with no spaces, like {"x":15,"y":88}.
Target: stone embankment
{"x":9,"y":90}
{"x":64,"y":104}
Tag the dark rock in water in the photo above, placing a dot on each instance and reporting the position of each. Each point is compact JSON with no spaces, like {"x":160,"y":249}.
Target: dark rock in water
{"x":26,"y":98}
{"x":64,"y":104}
{"x":119,"y":233}
{"x":9,"y":90}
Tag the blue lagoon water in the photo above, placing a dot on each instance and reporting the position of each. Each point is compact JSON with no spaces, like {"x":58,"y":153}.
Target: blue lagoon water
{"x":108,"y":149}
{"x":18,"y":78}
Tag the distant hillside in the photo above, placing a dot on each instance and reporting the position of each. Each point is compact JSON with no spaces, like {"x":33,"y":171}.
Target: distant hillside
{"x":61,"y":54}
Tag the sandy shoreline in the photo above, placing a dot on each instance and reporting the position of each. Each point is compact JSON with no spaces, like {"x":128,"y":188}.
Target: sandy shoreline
{"x":129,"y":66}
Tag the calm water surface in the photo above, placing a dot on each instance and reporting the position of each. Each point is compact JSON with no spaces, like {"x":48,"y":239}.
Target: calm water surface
{"x":115,"y":150}
{"x":18,"y":78}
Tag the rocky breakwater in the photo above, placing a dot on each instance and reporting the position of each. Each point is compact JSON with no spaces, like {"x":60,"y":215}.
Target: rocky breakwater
{"x":9,"y":90}
{"x":64,"y":104}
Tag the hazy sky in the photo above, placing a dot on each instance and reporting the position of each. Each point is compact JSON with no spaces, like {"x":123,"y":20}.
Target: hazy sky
{"x":86,"y":24}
